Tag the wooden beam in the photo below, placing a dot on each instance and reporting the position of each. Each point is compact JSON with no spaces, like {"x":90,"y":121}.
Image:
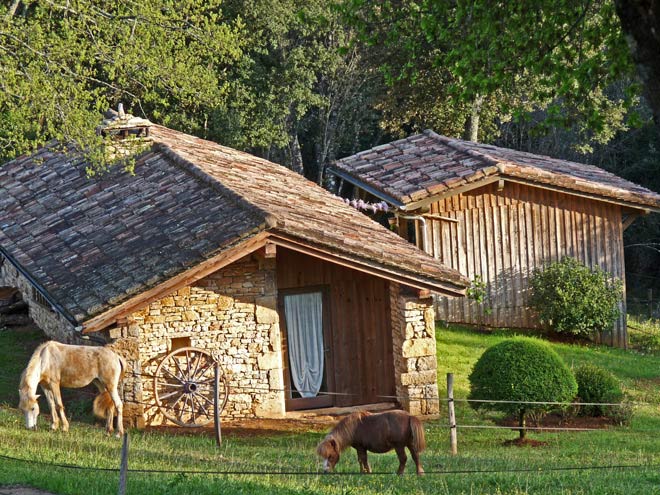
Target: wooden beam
{"x":270,"y":250}
{"x":296,"y":245}
{"x":629,"y":218}
{"x":500,"y":185}
{"x":188,"y":277}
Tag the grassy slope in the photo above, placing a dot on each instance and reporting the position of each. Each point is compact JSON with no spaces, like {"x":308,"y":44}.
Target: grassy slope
{"x":478,"y":449}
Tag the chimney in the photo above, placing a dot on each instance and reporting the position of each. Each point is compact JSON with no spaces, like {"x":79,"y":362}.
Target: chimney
{"x":127,"y":134}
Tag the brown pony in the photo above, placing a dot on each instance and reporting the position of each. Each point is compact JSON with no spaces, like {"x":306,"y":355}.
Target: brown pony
{"x":72,"y":366}
{"x":377,"y":433}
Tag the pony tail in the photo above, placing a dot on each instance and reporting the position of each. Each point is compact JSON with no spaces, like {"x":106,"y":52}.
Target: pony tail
{"x":418,"y":438}
{"x":103,"y":405}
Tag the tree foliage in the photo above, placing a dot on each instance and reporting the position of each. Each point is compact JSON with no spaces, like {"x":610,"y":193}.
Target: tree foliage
{"x":63,"y":62}
{"x":495,"y":61}
{"x":519,"y":371}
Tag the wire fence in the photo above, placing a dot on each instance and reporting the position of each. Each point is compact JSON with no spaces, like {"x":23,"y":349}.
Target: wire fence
{"x":537,"y":470}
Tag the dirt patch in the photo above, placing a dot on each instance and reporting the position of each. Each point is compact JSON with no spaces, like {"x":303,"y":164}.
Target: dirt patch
{"x":558,"y":421}
{"x":254,"y":427}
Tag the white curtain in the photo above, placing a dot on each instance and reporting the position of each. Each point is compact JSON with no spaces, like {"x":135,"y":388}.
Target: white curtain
{"x":304,"y":324}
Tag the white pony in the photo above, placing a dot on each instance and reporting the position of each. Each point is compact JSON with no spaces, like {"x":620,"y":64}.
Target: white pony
{"x":71,"y":366}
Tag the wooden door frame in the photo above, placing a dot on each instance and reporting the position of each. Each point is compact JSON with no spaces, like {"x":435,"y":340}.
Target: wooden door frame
{"x":323,"y":400}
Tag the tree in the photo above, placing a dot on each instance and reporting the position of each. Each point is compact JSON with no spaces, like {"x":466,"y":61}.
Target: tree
{"x":519,"y":375}
{"x":501,"y":59}
{"x":62,"y":63}
{"x":297,"y":98}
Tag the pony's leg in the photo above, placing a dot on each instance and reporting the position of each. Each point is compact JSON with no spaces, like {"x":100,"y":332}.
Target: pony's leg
{"x":401,"y":454}
{"x":60,"y":407}
{"x":362,"y":459}
{"x":55,"y":421}
{"x":418,"y":464}
{"x":119,"y":408}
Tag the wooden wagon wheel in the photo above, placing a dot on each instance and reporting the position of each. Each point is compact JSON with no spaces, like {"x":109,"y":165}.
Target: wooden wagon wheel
{"x":183,"y":387}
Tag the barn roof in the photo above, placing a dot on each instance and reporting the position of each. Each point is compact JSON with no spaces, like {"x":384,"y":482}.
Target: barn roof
{"x":414,"y":171}
{"x":96,"y":243}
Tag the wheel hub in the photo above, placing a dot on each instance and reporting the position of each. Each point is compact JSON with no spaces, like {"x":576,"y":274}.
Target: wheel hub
{"x":190,"y":387}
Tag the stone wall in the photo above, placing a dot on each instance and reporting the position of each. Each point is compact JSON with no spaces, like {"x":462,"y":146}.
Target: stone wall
{"x":415,"y":361}
{"x":233,"y":313}
{"x":53,"y":324}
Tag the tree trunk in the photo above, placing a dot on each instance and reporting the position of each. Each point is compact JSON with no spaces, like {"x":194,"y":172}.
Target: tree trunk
{"x":296,"y":154}
{"x":12,"y":9}
{"x":640,"y":20}
{"x":522,"y":424}
{"x":472,"y":124}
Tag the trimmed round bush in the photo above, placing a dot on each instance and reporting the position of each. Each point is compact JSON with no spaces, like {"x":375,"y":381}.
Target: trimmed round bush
{"x":521,"y":369}
{"x":572,"y":298}
{"x":596,"y":384}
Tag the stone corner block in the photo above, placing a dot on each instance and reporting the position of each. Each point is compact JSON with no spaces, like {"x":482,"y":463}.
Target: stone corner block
{"x":418,"y":347}
{"x":269,"y":361}
{"x":419,"y":378}
{"x":266,"y":315}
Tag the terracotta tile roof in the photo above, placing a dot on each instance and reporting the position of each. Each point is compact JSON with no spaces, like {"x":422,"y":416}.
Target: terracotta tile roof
{"x":94,"y":243}
{"x":426,"y":165}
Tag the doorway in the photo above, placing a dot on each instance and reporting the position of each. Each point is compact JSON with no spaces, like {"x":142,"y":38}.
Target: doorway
{"x":307,"y":350}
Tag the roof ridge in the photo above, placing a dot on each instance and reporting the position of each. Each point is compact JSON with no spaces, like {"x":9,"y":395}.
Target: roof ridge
{"x":269,"y":220}
{"x":457,"y":144}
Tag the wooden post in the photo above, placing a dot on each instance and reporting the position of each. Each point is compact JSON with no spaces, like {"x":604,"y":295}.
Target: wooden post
{"x":123,"y":467}
{"x":453,"y":441}
{"x":216,"y":406}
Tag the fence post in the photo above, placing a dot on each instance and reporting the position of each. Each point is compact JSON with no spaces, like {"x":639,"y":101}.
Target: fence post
{"x":216,"y":406}
{"x":453,"y":441}
{"x":123,"y":467}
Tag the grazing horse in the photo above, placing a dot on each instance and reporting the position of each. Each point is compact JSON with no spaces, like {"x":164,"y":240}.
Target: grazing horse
{"x":377,"y":433}
{"x":71,"y":366}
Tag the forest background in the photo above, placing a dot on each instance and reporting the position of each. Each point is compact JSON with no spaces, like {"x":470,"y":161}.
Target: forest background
{"x":305,"y":82}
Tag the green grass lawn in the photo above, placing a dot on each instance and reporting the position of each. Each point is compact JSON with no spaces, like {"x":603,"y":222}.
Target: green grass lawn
{"x":479,"y":450}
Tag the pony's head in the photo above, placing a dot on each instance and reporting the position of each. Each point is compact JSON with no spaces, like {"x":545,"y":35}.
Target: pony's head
{"x":328,"y":450}
{"x":29,"y":404}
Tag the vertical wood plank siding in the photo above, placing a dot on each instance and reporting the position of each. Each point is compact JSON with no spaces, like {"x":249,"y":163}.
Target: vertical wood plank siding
{"x":362,"y":359}
{"x":504,"y":235}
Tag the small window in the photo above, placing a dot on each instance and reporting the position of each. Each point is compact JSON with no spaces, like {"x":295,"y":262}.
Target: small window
{"x":179,"y":343}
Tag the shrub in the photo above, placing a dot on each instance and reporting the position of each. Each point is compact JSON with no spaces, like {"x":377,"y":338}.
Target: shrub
{"x":572,"y":298}
{"x":521,"y":369}
{"x":596,"y":384}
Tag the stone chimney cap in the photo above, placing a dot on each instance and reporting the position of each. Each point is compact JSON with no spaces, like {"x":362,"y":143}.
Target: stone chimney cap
{"x":118,"y":120}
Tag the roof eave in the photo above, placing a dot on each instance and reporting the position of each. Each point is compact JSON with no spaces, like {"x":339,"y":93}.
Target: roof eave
{"x":226,"y":257}
{"x":370,"y":189}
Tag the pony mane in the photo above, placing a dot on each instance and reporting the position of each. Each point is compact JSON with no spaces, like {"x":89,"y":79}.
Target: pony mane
{"x":34,"y":361}
{"x":344,"y":431}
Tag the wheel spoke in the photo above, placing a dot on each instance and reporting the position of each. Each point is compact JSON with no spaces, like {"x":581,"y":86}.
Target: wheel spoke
{"x":201,"y":406}
{"x":199,"y":360}
{"x":205,"y":369}
{"x":176,"y":363}
{"x":167,"y":396}
{"x":165,"y":369}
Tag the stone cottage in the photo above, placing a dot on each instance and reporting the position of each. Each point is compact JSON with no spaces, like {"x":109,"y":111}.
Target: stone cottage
{"x":304,"y":301}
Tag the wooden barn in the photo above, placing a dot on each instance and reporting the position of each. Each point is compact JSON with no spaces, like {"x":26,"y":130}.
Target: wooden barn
{"x":304,"y":301}
{"x":498,"y":214}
